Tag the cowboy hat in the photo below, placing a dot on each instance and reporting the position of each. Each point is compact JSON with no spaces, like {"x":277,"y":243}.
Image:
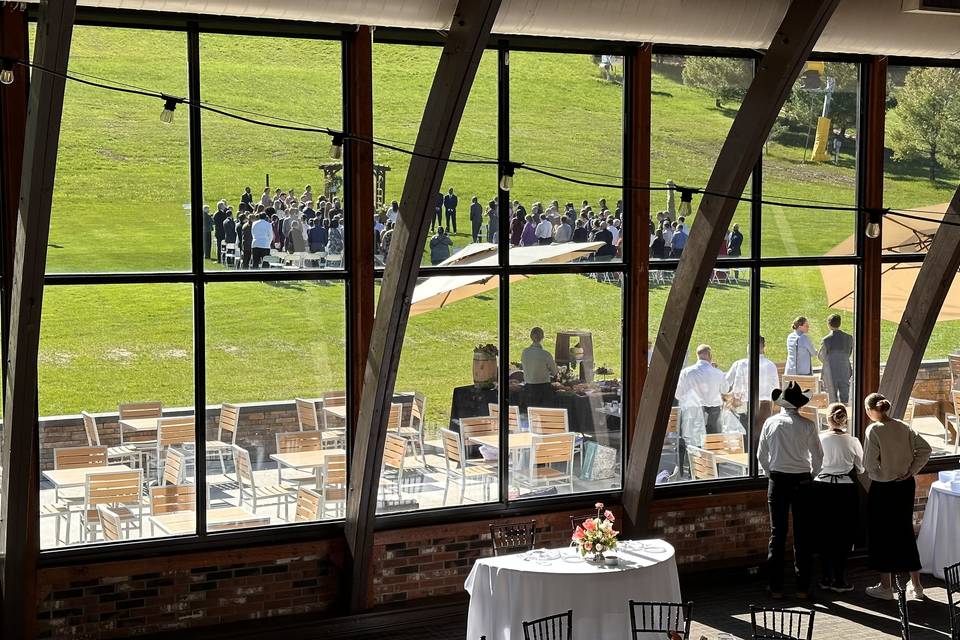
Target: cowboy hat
{"x":791,"y":397}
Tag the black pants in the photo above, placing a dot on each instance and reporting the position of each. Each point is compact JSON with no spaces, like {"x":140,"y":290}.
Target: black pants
{"x":451,"y":220}
{"x":247,"y":252}
{"x":539,"y":395}
{"x":206,"y":244}
{"x":437,"y":219}
{"x":545,"y":241}
{"x":711,"y":419}
{"x":476,"y":230}
{"x":788,"y":492}
{"x":257,"y":258}
{"x":838,"y":505}
{"x":219,"y":240}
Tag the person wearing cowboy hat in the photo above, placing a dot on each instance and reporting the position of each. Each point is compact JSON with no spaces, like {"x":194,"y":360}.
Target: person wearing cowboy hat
{"x":790,"y":454}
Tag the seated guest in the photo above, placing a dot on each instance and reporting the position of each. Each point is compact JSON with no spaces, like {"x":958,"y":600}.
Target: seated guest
{"x":837,"y":495}
{"x":790,"y":454}
{"x":893,"y":454}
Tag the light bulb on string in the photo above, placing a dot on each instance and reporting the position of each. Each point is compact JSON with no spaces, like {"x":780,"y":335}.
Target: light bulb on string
{"x":874,"y":218}
{"x":169,"y":105}
{"x":336,"y":146}
{"x":506,"y":180}
{"x":6,"y":72}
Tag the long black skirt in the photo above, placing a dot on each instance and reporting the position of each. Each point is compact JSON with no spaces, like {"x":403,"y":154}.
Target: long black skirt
{"x":891,"y":542}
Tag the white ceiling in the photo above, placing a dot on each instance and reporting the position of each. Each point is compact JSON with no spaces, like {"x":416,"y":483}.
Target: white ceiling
{"x":858,"y":26}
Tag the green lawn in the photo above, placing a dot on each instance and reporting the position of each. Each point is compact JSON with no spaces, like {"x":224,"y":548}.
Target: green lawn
{"x":123,"y":180}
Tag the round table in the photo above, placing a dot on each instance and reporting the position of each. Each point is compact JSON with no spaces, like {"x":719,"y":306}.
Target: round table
{"x":506,"y":590}
{"x":938,"y":541}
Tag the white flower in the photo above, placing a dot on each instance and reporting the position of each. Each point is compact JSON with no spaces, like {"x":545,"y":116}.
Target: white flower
{"x":599,"y":547}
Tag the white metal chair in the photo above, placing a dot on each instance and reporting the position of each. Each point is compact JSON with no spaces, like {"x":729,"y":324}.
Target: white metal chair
{"x":227,"y":424}
{"x":123,"y":454}
{"x":176,"y":431}
{"x":394,"y":453}
{"x":308,"y":505}
{"x":550,"y":462}
{"x":333,"y":485}
{"x":309,"y":420}
{"x":122,"y":491}
{"x":292,"y":443}
{"x":249,"y":490}
{"x":703,"y":464}
{"x":461,"y":469}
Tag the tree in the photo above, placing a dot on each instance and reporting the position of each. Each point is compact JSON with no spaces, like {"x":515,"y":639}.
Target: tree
{"x":725,"y":79}
{"x":925,"y":126}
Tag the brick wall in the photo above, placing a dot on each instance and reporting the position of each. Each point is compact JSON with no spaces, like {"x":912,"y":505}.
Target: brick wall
{"x":118,"y":599}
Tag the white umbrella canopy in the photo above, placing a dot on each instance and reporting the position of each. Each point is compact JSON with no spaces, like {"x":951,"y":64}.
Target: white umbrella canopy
{"x":439,"y":291}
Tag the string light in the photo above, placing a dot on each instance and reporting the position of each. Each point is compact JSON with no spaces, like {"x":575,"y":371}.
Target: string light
{"x":169,"y":105}
{"x":507,"y":168}
{"x":6,"y":71}
{"x":336,"y":145}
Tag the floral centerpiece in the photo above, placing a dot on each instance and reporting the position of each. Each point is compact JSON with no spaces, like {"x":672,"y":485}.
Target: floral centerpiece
{"x":595,"y":536}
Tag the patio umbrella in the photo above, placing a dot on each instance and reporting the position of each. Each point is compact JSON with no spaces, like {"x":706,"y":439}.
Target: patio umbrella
{"x":439,"y":291}
{"x":899,"y":236}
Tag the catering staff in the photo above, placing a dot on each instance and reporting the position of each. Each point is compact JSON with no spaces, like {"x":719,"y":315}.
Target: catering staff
{"x":539,"y":369}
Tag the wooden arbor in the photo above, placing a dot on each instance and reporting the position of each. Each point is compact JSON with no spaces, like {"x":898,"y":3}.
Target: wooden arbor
{"x":775,"y":75}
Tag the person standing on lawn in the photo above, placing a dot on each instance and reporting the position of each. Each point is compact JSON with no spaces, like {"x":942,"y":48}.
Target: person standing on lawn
{"x":476,"y":218}
{"x":835,"y":352}
{"x":450,"y":204}
{"x":800,"y":350}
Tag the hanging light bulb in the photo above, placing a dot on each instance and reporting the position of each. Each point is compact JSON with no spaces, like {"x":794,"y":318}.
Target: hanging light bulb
{"x":874,"y":217}
{"x":169,"y":104}
{"x":506,"y":180}
{"x":336,"y":146}
{"x":6,"y":72}
{"x":686,"y":200}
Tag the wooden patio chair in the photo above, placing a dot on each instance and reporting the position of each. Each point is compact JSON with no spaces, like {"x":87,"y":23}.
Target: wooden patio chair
{"x":333,"y":438}
{"x":76,"y":458}
{"x":394,"y":453}
{"x":547,"y":453}
{"x":308,"y":505}
{"x":723,"y":443}
{"x":807,"y":383}
{"x":513,"y":416}
{"x":703,"y":464}
{"x":110,"y":523}
{"x":548,"y":420}
{"x":513,"y":537}
{"x":137,"y":410}
{"x":333,"y":487}
{"x":333,"y":399}
{"x":175,"y":498}
{"x":227,"y":427}
{"x":250,"y":491}
{"x":668,"y":619}
{"x":122,"y":454}
{"x":174,"y":468}
{"x":461,"y":469}
{"x":413,"y":431}
{"x":121,"y":491}
{"x":293,"y":443}
{"x":179,"y":431}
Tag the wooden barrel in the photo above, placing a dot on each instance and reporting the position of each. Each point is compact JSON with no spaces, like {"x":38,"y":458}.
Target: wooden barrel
{"x":484,"y":370}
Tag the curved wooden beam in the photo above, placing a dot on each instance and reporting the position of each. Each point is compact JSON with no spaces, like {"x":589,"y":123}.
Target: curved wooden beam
{"x":920,"y":315}
{"x":468,"y":35}
{"x":777,"y":71}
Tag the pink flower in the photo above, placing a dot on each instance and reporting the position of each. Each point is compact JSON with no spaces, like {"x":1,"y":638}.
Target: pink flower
{"x":599,"y":505}
{"x":578,"y":534}
{"x":609,"y":516}
{"x":587,"y":546}
{"x":589,"y":525}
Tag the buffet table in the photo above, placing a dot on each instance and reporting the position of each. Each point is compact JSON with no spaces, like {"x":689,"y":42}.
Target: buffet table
{"x":507,"y":590}
{"x":938,"y":541}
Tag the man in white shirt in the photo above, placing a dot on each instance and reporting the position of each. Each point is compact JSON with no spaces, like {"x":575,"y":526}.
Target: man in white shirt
{"x":262,"y":233}
{"x":544,"y":230}
{"x":738,"y":380}
{"x":702,"y":384}
{"x":790,"y":454}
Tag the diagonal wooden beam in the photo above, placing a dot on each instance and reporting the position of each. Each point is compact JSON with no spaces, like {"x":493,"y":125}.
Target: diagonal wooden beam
{"x":19,"y":535}
{"x":776,"y":73}
{"x":469,"y":31}
{"x":936,"y":276}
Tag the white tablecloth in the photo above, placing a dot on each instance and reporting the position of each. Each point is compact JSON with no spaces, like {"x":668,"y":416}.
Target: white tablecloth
{"x":506,"y":590}
{"x":939,"y":540}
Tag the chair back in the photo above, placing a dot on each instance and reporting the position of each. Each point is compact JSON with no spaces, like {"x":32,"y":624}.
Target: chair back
{"x":109,"y":523}
{"x":299,"y":441}
{"x":723,"y":442}
{"x":333,"y":399}
{"x":308,"y":505}
{"x":175,"y":431}
{"x":552,"y":449}
{"x":229,"y":422}
{"x":134,"y":410}
{"x":903,"y":610}
{"x":174,"y":467}
{"x":418,"y":411}
{"x":910,"y":411}
{"x":79,"y":457}
{"x":771,"y":623}
{"x":951,"y":575}
{"x":513,"y":537}
{"x":513,"y":416}
{"x":819,"y":400}
{"x":173,"y":498}
{"x":333,"y":485}
{"x":547,"y":420}
{"x":673,"y":422}
{"x":114,"y":489}
{"x":453,"y":450}
{"x":394,"y":451}
{"x":807,"y":383}
{"x":478,"y":426}
{"x":954,"y":360}
{"x":671,"y":618}
{"x":703,"y":464}
{"x":395,"y":417}
{"x":555,"y":627}
{"x":576,"y":521}
{"x":244,"y":467}
{"x":90,"y":427}
{"x":307,"y":415}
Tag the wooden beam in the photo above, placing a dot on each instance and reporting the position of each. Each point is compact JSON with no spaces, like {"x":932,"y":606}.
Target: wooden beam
{"x":13,"y":125}
{"x":358,"y":62}
{"x":465,"y":41}
{"x":20,"y":517}
{"x":774,"y":78}
{"x":872,"y":248}
{"x":920,"y":315}
{"x":637,"y":107}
